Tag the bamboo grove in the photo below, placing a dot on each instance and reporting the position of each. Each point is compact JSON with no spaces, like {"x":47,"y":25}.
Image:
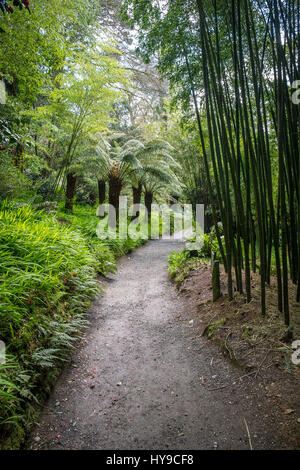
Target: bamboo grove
{"x":237,"y":61}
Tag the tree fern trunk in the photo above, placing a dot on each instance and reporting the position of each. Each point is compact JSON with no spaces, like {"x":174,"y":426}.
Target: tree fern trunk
{"x":137,"y":194}
{"x":101,"y":191}
{"x":115,"y":187}
{"x":70,"y":191}
{"x":148,"y":201}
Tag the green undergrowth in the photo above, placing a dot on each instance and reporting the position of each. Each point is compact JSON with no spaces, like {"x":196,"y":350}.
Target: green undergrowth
{"x":181,"y":263}
{"x":48,"y":277}
{"x":84,"y":220}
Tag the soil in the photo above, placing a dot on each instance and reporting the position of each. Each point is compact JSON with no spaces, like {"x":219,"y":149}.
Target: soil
{"x":144,"y":377}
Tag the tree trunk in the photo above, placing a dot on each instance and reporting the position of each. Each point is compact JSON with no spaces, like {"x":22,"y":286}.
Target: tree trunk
{"x":18,"y":157}
{"x":101,"y":191}
{"x":148,"y":202}
{"x":137,"y":193}
{"x":114,"y":191}
{"x":70,"y":191}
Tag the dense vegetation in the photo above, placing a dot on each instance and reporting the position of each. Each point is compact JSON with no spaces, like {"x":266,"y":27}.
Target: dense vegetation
{"x":48,"y":270}
{"x":239,"y":63}
{"x":204,"y":110}
{"x":65,"y":145}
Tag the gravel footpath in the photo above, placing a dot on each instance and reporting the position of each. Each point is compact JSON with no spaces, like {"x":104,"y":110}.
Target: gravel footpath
{"x":144,"y":378}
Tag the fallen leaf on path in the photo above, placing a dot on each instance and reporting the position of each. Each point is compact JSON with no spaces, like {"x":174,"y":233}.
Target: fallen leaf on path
{"x":288,"y":411}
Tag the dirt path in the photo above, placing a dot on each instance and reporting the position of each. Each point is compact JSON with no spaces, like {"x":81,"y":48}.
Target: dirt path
{"x":143,"y":378}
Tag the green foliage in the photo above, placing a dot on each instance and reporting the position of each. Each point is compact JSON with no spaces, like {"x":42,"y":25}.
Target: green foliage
{"x":207,"y":246}
{"x":105,"y":258}
{"x":10,"y":393}
{"x":210,"y":244}
{"x":177,"y":264}
{"x":190,"y":170}
{"x":63,"y":83}
{"x":41,"y":264}
{"x":121,"y":247}
{"x":12,"y":182}
{"x":34,"y":47}
{"x":48,"y":277}
{"x":181,"y":263}
{"x":231,"y":67}
{"x":84,"y":220}
{"x":117,"y":160}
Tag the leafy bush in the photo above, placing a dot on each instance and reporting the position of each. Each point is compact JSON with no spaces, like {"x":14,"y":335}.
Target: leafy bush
{"x":177,"y":262}
{"x":181,"y":264}
{"x":105,"y":258}
{"x":210,"y":243}
{"x":84,"y":220}
{"x":41,"y":264}
{"x":12,"y":182}
{"x":10,"y":393}
{"x":47,"y":278}
{"x":48,"y":274}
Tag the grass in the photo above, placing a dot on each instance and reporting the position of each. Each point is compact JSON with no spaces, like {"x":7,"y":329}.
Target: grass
{"x":48,"y":270}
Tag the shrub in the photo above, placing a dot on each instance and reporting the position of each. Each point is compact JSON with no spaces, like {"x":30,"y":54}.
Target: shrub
{"x":47,"y":278}
{"x":48,"y":274}
{"x":210,"y":244}
{"x":105,"y":258}
{"x":177,"y":262}
{"x":12,"y":182}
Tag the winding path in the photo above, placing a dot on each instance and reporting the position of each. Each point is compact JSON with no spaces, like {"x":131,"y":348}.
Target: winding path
{"x":143,"y":378}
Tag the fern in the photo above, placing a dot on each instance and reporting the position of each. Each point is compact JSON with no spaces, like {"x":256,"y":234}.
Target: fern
{"x":46,"y":357}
